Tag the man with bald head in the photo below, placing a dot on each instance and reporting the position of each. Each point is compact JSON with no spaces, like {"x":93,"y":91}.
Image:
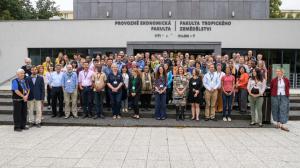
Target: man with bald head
{"x":20,"y":92}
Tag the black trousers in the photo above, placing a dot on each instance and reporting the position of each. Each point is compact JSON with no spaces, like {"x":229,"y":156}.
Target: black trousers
{"x":107,"y":97}
{"x":146,"y":100}
{"x":87,"y":100}
{"x":135,"y":103}
{"x":169,"y":94}
{"x":48,"y":95}
{"x":19,"y":114}
{"x":57,"y":94}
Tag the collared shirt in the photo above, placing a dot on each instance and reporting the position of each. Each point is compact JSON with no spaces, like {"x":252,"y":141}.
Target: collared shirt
{"x":125,"y":79}
{"x":115,"y":80}
{"x":56,"y":79}
{"x":140,"y":64}
{"x":69,"y":82}
{"x":281,"y":87}
{"x":24,"y":85}
{"x":211,"y":81}
{"x":85,"y":78}
{"x":33,"y":78}
{"x":120,"y":65}
{"x":99,"y":80}
{"x":107,"y":70}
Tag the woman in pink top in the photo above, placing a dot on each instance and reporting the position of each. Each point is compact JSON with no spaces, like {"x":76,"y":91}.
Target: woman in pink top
{"x":227,"y":83}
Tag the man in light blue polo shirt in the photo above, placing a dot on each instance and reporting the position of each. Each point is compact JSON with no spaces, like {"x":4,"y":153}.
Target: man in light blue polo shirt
{"x":70,"y":85}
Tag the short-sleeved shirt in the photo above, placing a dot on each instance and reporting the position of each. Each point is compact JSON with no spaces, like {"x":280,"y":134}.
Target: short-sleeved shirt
{"x":99,"y":79}
{"x":24,"y":85}
{"x":115,"y":80}
{"x":228,"y":82}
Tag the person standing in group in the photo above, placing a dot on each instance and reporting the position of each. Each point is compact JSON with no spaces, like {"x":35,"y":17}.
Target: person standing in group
{"x":125,"y":88}
{"x":55,"y":83}
{"x":135,"y":87}
{"x":107,"y":70}
{"x":48,"y":87}
{"x":160,"y":93}
{"x":195,"y":85}
{"x":256,"y":88}
{"x":211,"y":83}
{"x":227,"y":86}
{"x":47,"y":64}
{"x":219,"y":103}
{"x":99,"y":82}
{"x":147,"y":88}
{"x":280,"y":87}
{"x":242,"y":87}
{"x":169,"y":84}
{"x":20,"y":92}
{"x":114,"y":83}
{"x":70,"y":87}
{"x":36,"y":97}
{"x":27,"y":67}
{"x":181,"y":83}
{"x":85,"y":85}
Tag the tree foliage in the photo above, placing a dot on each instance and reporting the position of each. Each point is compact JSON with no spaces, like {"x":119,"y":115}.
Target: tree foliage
{"x":275,"y":11}
{"x":24,"y":10}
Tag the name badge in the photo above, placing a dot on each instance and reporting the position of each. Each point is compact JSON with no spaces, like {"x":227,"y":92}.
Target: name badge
{"x":147,"y":81}
{"x":194,"y":83}
{"x":133,"y":87}
{"x":161,"y":86}
{"x":69,"y":81}
{"x":115,"y":82}
{"x":181,"y":86}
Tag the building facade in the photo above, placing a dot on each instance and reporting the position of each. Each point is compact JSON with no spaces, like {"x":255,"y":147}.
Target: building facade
{"x":171,"y":9}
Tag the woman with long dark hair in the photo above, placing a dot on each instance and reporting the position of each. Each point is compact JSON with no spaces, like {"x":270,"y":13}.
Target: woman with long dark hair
{"x":256,"y":88}
{"x":242,"y":87}
{"x":160,"y":85}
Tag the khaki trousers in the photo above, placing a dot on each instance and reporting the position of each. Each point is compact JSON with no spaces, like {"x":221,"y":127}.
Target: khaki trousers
{"x":70,"y":97}
{"x":210,"y":101}
{"x":37,"y":106}
{"x":219,"y":101}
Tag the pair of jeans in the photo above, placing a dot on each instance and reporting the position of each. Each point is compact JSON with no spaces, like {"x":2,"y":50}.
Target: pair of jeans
{"x":115,"y":99}
{"x":87,"y":100}
{"x":227,"y":102}
{"x":160,"y":105}
{"x":280,"y":108}
{"x":99,"y":103}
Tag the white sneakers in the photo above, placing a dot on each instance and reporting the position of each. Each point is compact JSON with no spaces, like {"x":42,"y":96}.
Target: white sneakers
{"x":226,"y":119}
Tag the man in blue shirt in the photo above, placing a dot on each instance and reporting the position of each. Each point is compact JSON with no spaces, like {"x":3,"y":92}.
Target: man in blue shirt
{"x":140,"y":63}
{"x":211,"y":82}
{"x":55,"y":83}
{"x":70,"y":85}
{"x":20,"y":92}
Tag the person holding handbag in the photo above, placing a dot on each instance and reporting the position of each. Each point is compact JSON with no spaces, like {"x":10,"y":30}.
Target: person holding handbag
{"x":256,"y":88}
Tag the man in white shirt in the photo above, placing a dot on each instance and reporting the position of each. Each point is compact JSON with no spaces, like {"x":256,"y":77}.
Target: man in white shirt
{"x":211,"y":83}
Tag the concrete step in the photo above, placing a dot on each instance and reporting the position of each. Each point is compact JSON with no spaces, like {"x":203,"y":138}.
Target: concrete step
{"x":143,"y":122}
{"x":146,"y":114}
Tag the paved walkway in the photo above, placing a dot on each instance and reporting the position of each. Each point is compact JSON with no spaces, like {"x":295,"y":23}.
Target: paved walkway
{"x":113,"y":147}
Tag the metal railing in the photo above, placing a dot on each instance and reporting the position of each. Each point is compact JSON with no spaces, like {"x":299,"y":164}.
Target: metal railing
{"x":295,"y":80}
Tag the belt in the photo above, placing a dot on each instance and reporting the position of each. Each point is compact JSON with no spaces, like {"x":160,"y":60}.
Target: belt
{"x":56,"y":86}
{"x":86,"y":86}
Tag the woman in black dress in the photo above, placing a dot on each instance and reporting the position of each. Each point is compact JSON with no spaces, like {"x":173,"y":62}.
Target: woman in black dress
{"x":195,"y":86}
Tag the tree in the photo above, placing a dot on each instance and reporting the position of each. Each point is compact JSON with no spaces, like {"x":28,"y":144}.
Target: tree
{"x":275,"y":9}
{"x":16,"y":9}
{"x":46,"y":9}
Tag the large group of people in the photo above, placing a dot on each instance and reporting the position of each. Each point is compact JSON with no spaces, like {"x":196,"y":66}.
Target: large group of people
{"x":126,"y":83}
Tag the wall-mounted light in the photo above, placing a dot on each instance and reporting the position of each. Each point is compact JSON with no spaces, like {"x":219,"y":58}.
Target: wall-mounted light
{"x":232,"y":14}
{"x":107,"y":13}
{"x":170,"y":13}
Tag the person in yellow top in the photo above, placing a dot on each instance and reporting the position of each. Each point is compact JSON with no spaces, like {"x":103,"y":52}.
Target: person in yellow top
{"x":46,"y":65}
{"x":59,"y":58}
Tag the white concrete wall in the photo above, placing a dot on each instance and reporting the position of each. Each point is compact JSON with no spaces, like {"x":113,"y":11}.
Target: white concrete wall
{"x":17,"y":36}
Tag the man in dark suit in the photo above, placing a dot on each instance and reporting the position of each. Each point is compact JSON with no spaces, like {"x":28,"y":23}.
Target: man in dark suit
{"x":37,"y":94}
